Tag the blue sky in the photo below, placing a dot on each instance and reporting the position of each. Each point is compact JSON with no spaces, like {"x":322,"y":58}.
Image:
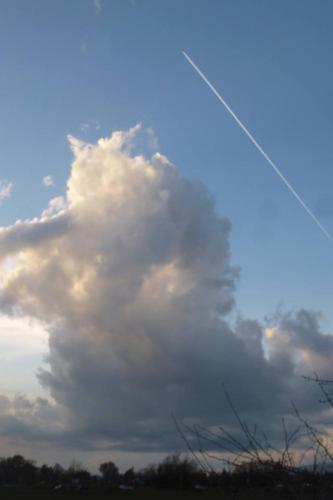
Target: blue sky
{"x":91,"y":67}
{"x":67,"y":63}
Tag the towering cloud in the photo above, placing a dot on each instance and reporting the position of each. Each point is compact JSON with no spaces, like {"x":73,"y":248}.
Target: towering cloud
{"x":131,"y":273}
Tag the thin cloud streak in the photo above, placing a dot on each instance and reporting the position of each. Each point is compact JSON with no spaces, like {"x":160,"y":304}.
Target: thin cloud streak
{"x":259,"y":148}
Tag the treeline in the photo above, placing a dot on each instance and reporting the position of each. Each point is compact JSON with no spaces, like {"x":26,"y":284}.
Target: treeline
{"x":174,"y":472}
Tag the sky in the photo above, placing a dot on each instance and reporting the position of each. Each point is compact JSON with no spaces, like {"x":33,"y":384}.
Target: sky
{"x":76,"y":71}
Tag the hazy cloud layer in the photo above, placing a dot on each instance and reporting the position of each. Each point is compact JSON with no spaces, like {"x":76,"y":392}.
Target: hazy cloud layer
{"x":131,"y":272}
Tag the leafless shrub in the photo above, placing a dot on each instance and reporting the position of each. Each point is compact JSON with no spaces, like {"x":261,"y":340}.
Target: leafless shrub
{"x":250,"y":448}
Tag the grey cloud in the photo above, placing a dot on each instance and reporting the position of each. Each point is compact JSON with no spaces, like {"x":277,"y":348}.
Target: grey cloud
{"x":134,"y":279}
{"x":31,"y":233}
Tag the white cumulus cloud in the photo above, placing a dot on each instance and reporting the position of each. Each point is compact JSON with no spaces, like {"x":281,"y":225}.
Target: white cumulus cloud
{"x":131,"y":273}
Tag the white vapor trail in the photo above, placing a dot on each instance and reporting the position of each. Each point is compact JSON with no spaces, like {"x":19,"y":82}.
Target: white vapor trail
{"x":259,"y":148}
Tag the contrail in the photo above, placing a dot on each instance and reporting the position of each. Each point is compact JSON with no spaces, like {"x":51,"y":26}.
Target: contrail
{"x":259,"y":148}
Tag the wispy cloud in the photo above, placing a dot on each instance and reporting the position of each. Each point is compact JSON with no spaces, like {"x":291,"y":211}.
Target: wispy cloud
{"x":98,"y":6}
{"x":86,"y":127}
{"x":5,"y":189}
{"x":152,"y":139}
{"x":48,"y":181}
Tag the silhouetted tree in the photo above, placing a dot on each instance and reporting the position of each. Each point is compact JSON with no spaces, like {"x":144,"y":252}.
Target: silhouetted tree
{"x":110,"y":473}
{"x":129,"y":476}
{"x":176,"y":472}
{"x":18,"y":470}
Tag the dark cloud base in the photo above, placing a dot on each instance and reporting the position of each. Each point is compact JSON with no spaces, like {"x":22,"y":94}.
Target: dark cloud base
{"x":132,"y":273}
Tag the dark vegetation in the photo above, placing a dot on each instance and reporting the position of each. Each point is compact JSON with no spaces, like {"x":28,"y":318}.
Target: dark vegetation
{"x":175,"y":476}
{"x":218,"y":464}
